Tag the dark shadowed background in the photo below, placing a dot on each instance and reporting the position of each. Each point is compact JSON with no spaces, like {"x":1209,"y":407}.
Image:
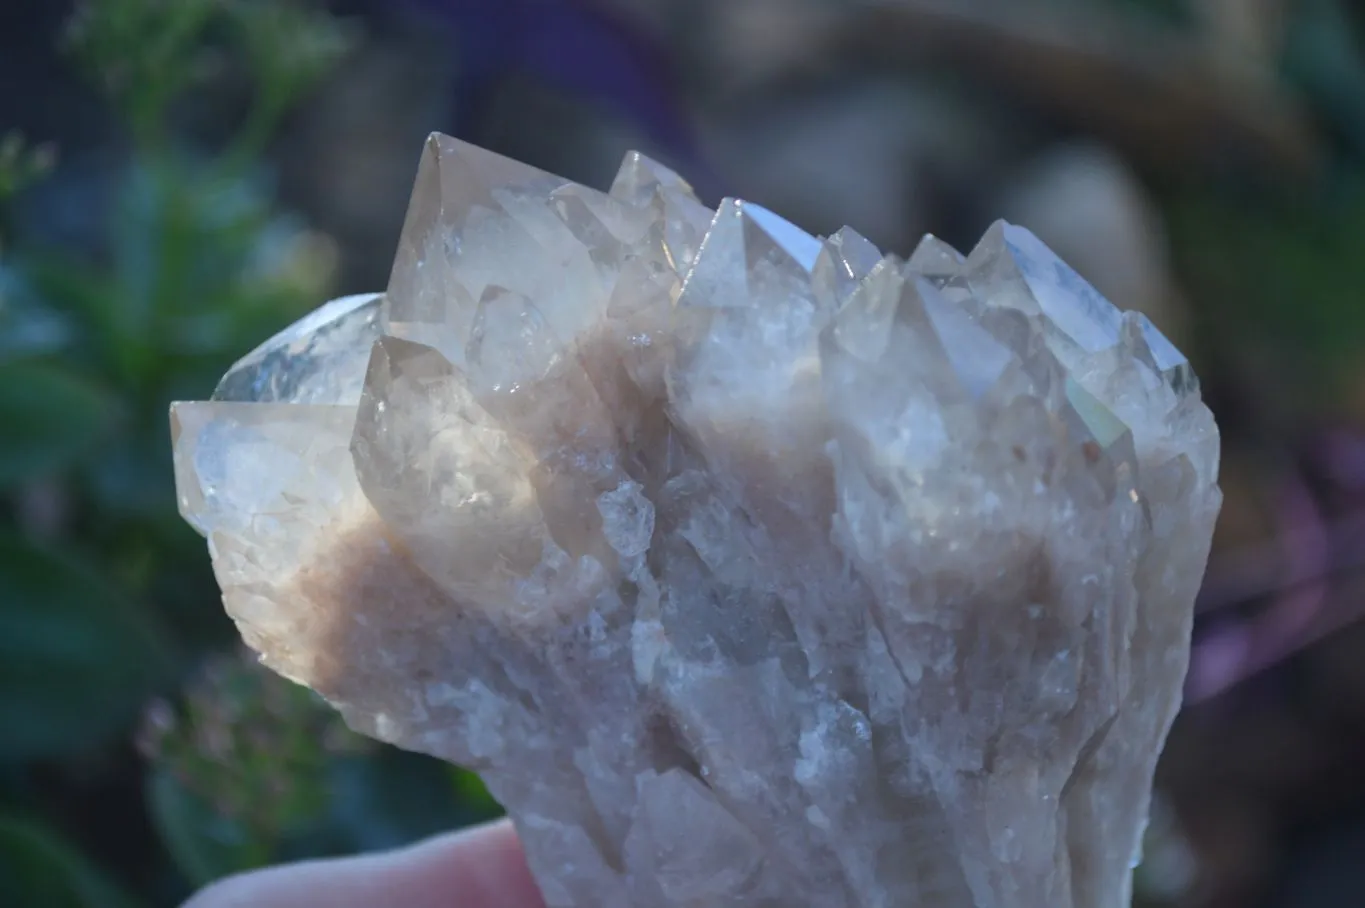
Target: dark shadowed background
{"x":180,"y":178}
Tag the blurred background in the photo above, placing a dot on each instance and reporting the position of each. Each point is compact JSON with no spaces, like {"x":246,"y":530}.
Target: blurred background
{"x":180,"y":178}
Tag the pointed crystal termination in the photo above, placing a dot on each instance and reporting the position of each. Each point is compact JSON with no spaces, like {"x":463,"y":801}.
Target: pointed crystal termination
{"x":748,"y":568}
{"x":317,"y":360}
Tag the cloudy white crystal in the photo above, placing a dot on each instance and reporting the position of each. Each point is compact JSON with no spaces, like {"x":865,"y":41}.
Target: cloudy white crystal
{"x":749,"y":568}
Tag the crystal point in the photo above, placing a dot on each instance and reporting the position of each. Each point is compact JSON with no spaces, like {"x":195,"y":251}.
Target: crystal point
{"x":936,"y":260}
{"x":313,"y":361}
{"x":748,"y":568}
{"x":842,"y":263}
{"x":1013,"y":268}
{"x":641,"y":178}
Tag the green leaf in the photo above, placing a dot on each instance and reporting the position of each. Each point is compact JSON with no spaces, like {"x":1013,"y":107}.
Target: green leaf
{"x":473,"y":794}
{"x":48,"y":419}
{"x":204,"y":843}
{"x":28,"y":327}
{"x":38,"y":868}
{"x":77,"y":661}
{"x":79,"y":291}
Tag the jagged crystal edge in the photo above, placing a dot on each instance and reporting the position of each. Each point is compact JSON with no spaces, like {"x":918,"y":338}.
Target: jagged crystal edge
{"x":749,"y":568}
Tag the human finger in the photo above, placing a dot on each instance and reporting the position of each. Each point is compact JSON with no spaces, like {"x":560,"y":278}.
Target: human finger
{"x":477,"y":868}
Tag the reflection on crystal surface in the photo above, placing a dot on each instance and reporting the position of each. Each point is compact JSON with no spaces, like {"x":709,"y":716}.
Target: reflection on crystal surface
{"x":801,"y":246}
{"x":1014,"y":268}
{"x":1161,"y":354}
{"x":640,"y":179}
{"x":749,"y":568}
{"x":843,"y":262}
{"x":317,"y":360}
{"x":936,"y":260}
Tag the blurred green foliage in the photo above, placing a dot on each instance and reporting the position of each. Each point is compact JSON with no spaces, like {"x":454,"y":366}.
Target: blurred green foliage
{"x":1279,"y":268}
{"x":37,"y":867}
{"x":106,"y":601}
{"x":248,"y":769}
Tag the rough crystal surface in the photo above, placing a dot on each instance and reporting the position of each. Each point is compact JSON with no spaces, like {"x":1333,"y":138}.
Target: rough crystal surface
{"x":748,"y":568}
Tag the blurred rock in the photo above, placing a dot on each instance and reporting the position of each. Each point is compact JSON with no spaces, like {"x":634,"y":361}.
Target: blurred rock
{"x":870,"y":154}
{"x":727,"y":47}
{"x":756,"y":40}
{"x":1085,"y":202}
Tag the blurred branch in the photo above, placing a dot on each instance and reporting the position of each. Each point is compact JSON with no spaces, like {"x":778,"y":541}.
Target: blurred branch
{"x":244,"y":757}
{"x":1231,"y":655}
{"x":1254,"y":572}
{"x":1154,"y":91}
{"x":288,"y":47}
{"x":145,"y":54}
{"x":1310,"y":577}
{"x":148,"y":54}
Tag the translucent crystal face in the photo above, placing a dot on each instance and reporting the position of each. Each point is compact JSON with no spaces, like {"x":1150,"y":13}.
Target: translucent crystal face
{"x":748,"y":567}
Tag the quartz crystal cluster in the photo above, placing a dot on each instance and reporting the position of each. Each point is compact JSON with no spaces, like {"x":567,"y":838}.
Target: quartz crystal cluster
{"x":748,"y":568}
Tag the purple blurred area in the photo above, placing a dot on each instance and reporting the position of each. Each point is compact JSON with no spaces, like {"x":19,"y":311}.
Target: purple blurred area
{"x":579,"y":47}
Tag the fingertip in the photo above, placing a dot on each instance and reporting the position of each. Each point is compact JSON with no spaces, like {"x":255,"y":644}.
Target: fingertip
{"x":483,"y":867}
{"x":485,"y":864}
